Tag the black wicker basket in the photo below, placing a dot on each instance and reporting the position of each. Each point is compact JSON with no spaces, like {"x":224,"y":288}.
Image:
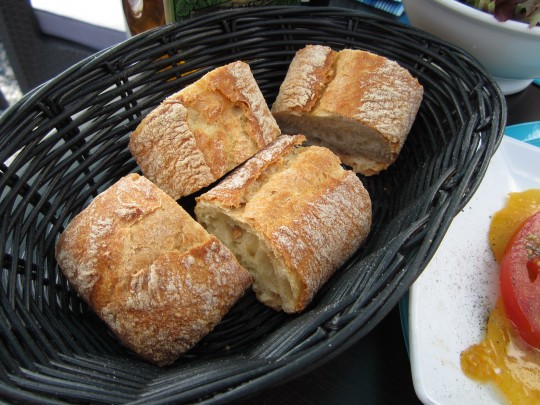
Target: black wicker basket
{"x":66,"y":141}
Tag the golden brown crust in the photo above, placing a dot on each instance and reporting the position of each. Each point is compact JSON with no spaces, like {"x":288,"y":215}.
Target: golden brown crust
{"x":200,"y":133}
{"x":309,"y":73}
{"x":359,"y":104}
{"x":152,"y":273}
{"x":305,"y":210}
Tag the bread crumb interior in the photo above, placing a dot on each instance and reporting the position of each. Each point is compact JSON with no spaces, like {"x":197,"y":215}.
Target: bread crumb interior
{"x":347,"y":136}
{"x":271,"y":283}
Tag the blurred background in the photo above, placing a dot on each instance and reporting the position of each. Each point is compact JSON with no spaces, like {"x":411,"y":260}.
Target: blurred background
{"x":41,"y":38}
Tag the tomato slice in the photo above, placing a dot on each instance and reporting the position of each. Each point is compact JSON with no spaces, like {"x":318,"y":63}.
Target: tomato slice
{"x":519,"y":280}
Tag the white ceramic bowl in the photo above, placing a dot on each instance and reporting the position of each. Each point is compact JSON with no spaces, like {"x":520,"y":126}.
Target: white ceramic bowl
{"x":510,"y":50}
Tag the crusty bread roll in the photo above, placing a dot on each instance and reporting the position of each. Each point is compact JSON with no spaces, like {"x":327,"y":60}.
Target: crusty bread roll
{"x":202,"y":132}
{"x":358,"y":104}
{"x":292,"y":215}
{"x":152,"y":273}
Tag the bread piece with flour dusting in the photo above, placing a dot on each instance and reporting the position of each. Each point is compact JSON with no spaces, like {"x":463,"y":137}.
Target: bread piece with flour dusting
{"x":149,"y":270}
{"x":205,"y":130}
{"x":291,"y":215}
{"x":358,"y":104}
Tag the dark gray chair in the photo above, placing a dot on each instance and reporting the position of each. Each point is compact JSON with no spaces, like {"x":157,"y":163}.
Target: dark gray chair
{"x":34,"y":56}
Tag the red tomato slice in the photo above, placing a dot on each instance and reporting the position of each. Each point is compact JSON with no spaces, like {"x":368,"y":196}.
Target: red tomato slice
{"x":520,"y":284}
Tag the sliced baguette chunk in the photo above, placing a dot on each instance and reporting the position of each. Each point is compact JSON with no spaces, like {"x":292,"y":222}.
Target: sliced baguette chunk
{"x":292,"y":216}
{"x":358,"y":104}
{"x":205,"y":130}
{"x":149,"y":270}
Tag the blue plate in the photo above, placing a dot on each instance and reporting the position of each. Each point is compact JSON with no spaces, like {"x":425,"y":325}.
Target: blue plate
{"x":528,"y":132}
